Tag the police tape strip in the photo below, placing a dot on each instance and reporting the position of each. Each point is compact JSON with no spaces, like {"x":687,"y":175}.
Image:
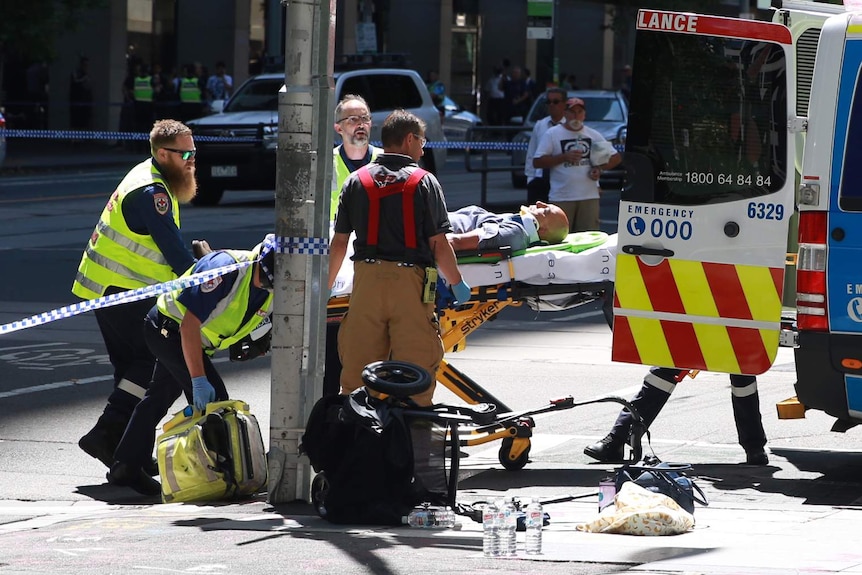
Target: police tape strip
{"x":120,"y":298}
{"x":283,"y":245}
{"x":105,"y":135}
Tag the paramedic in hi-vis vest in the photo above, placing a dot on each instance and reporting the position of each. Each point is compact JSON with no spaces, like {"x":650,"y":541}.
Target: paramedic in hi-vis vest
{"x":353,"y":124}
{"x":183,"y":330}
{"x":399,"y":215}
{"x":136,"y":243}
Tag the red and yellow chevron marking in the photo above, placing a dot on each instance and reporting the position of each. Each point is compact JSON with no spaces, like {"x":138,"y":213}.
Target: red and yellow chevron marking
{"x":699,"y":290}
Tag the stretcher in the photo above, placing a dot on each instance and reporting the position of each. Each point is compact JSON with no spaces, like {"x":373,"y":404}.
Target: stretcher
{"x":578,"y":271}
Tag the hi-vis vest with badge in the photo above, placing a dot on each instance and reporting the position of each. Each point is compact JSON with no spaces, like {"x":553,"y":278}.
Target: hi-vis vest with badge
{"x":340,"y":172}
{"x":224,"y":326}
{"x":117,"y":256}
{"x":190,"y":90}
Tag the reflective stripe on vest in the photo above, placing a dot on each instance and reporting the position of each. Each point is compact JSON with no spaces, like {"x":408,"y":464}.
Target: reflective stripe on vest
{"x":224,"y":325}
{"x":190,"y":90}
{"x":375,"y":192}
{"x":143,"y":89}
{"x":340,"y":172}
{"x":117,"y":256}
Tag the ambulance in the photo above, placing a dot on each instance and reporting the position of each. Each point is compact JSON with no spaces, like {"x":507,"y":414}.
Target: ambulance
{"x":736,"y":127}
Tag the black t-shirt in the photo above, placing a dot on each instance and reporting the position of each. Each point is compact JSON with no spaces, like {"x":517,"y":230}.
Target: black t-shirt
{"x":430,"y":214}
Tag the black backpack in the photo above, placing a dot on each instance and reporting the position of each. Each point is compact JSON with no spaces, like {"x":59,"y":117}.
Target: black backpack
{"x":363,"y":450}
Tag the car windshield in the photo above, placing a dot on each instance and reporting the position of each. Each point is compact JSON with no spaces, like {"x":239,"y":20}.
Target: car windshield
{"x":256,"y":95}
{"x":599,"y":109}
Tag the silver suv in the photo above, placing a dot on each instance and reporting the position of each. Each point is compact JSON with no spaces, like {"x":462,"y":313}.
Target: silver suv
{"x":607,"y":112}
{"x":244,"y":155}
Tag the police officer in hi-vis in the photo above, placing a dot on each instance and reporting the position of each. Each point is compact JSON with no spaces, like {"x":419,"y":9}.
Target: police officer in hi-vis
{"x":399,"y":215}
{"x":136,"y":243}
{"x":183,"y":330}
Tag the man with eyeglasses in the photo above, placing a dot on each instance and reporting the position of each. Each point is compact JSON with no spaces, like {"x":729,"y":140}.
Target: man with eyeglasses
{"x":353,"y":124}
{"x":399,"y":215}
{"x":538,"y":180}
{"x":136,"y":242}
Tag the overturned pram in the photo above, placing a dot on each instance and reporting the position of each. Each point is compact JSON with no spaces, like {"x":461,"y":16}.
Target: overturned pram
{"x":557,"y":277}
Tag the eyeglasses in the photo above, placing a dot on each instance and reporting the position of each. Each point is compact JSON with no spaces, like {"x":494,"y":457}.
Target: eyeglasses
{"x":421,"y":139}
{"x":355,"y":120}
{"x":186,"y":155}
{"x":555,"y":101}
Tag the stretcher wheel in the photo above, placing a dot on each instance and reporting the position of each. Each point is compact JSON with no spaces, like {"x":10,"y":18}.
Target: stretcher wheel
{"x":514,"y":453}
{"x":396,"y":378}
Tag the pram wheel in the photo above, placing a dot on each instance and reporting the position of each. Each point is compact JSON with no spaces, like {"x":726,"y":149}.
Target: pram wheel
{"x":319,"y":487}
{"x":514,"y":453}
{"x":396,"y":378}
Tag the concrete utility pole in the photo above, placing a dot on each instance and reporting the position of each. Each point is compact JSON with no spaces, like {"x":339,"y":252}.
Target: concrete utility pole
{"x":303,"y":182}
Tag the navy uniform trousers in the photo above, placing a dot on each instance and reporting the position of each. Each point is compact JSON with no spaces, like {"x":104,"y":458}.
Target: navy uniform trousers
{"x":660,"y":383}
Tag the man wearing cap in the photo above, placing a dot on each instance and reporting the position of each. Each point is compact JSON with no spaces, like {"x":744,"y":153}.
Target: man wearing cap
{"x":183,"y":330}
{"x":576,"y":155}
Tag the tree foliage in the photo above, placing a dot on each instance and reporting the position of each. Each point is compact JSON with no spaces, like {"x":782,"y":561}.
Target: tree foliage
{"x":28,"y":28}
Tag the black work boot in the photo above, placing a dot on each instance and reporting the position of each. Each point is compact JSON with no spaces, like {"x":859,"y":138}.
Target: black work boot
{"x":756,"y":457}
{"x":152,"y":468}
{"x":610,"y":449}
{"x":101,"y":441}
{"x":127,"y":475}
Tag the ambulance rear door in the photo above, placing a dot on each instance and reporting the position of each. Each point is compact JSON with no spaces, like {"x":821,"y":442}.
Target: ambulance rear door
{"x":703,"y":222}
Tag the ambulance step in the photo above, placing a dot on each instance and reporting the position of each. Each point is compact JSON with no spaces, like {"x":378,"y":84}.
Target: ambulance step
{"x":790,"y":408}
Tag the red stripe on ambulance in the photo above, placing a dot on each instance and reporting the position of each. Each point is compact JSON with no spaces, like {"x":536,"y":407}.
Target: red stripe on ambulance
{"x":712,"y":26}
{"x":749,"y":349}
{"x":625,"y":349}
{"x":683,"y":344}
{"x":727,"y":290}
{"x":661,"y":287}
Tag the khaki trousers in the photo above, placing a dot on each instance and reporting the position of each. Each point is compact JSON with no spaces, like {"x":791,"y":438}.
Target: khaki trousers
{"x":583,"y":214}
{"x":387,"y":320}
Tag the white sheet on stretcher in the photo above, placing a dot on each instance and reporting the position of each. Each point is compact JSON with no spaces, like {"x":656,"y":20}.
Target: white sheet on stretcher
{"x":539,"y":268}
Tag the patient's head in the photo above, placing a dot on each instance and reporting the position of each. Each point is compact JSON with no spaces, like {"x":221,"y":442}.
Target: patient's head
{"x":553,"y":223}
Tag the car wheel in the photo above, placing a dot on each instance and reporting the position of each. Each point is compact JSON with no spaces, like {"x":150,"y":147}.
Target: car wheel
{"x":519,"y":180}
{"x":208,"y":195}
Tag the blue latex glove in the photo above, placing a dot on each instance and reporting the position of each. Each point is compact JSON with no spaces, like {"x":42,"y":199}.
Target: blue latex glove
{"x":462,"y":292}
{"x":203,"y":392}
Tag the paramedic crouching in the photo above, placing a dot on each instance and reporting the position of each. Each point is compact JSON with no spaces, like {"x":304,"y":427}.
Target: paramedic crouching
{"x":182,"y":330}
{"x":399,"y":215}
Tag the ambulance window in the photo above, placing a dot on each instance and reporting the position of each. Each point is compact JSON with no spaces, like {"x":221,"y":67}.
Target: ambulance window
{"x":707,"y":119}
{"x":850,"y":194}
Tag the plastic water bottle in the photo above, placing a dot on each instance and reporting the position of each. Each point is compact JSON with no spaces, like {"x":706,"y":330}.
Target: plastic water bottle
{"x":533,"y":522}
{"x":490,"y":539}
{"x":427,"y":517}
{"x":509,"y":547}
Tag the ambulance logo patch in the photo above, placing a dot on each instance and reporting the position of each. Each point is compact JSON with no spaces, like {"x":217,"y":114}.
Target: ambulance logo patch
{"x":162,"y":203}
{"x":383,"y":180}
{"x":209,"y":286}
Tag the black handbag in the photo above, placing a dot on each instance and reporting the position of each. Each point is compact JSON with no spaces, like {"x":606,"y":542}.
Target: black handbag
{"x":665,"y":478}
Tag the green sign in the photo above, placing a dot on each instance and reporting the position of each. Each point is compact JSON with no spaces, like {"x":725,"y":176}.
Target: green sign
{"x":540,"y":19}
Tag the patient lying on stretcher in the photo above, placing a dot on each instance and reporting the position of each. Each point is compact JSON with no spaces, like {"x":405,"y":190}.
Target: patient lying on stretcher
{"x":475,"y":228}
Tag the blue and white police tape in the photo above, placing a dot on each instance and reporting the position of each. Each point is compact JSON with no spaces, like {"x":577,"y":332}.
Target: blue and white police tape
{"x":284,"y":245}
{"x":106,"y":135}
{"x":120,"y":298}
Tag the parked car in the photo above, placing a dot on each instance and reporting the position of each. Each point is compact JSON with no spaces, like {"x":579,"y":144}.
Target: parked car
{"x":244,"y":156}
{"x":457,"y":122}
{"x":607,"y":112}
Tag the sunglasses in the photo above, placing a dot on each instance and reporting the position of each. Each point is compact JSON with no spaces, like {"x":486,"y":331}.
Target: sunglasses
{"x":421,"y":139}
{"x":555,"y":101}
{"x":186,"y":155}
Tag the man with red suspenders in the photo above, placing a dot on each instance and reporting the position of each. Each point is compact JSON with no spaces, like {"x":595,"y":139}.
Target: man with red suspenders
{"x":400,"y":218}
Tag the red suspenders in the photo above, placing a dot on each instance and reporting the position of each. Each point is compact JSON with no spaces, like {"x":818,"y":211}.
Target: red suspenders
{"x":375,"y":192}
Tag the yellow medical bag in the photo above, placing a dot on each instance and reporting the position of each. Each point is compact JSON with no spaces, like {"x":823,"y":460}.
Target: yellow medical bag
{"x":214,"y":455}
